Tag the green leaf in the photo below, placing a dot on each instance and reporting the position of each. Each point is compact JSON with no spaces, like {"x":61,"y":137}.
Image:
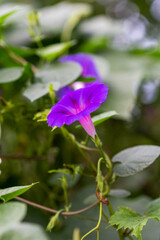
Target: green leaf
{"x":42,"y":116}
{"x":22,"y":51}
{"x":94,"y":44}
{"x":12,"y":192}
{"x":4,"y":17}
{"x":120,"y":193}
{"x":71,"y":180}
{"x":25,"y":231}
{"x":73,"y":168}
{"x":128,"y":218}
{"x":101,"y":118}
{"x":54,"y":18}
{"x":53,"y":220}
{"x":135,"y":159}
{"x":55,"y":50}
{"x":10,"y":74}
{"x":101,"y":26}
{"x":60,"y":170}
{"x":36,"y":91}
{"x":11,"y":213}
{"x":68,"y":169}
{"x":102,"y":66}
{"x":123,"y":77}
{"x":59,"y":75}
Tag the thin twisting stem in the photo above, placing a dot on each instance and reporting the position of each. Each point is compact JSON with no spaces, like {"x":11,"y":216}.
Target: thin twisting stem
{"x":55,"y":211}
{"x":98,"y":224}
{"x":105,"y":157}
{"x":71,"y":138}
{"x":16,"y":58}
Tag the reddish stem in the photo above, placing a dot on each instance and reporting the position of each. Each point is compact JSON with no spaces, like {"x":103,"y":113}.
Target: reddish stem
{"x":55,"y":211}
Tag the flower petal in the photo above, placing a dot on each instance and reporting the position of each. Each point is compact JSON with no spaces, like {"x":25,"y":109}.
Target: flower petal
{"x":77,"y":104}
{"x":87,"y":63}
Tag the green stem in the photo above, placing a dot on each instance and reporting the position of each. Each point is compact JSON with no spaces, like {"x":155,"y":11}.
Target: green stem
{"x":130,"y":237}
{"x":88,"y":160}
{"x":98,"y":224}
{"x":97,"y":234}
{"x":111,"y":211}
{"x":105,"y":157}
{"x":64,"y":186}
{"x":70,"y":137}
{"x":86,"y":141}
{"x":105,"y":216}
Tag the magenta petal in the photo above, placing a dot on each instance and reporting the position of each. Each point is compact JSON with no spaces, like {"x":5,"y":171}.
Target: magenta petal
{"x":77,"y":106}
{"x":88,"y":126}
{"x":87,"y":63}
{"x":63,"y":91}
{"x":89,"y":70}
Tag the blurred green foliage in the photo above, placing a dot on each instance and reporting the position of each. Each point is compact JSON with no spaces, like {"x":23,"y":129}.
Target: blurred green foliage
{"x":123,"y":38}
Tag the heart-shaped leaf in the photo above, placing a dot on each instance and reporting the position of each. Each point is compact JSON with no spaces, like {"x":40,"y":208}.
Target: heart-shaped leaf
{"x":135,"y":159}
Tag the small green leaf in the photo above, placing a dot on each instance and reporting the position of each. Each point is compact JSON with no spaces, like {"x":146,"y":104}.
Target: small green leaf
{"x":98,"y":119}
{"x":135,"y":159}
{"x":4,"y":17}
{"x":54,"y":128}
{"x":60,"y":170}
{"x":128,"y":218}
{"x":120,"y":193}
{"x":69,"y":169}
{"x":10,"y":74}
{"x":42,"y":116}
{"x":99,"y":178}
{"x":53,"y":220}
{"x":55,"y":50}
{"x":103,"y":117}
{"x":12,"y":192}
{"x":74,"y":169}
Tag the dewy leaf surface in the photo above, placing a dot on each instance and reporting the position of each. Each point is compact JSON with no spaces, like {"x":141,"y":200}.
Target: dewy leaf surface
{"x":135,"y":159}
{"x":128,"y":218}
{"x":12,"y":192}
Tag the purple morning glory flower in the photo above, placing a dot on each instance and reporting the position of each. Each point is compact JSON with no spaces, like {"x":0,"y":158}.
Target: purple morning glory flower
{"x":89,"y":70}
{"x":86,"y":62}
{"x":77,"y":106}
